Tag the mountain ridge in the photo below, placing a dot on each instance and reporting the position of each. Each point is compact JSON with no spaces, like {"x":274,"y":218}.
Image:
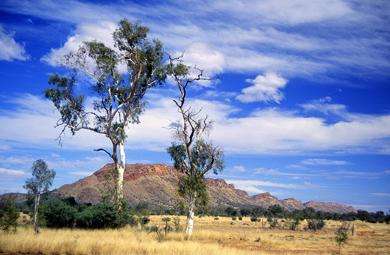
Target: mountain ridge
{"x":156,"y":185}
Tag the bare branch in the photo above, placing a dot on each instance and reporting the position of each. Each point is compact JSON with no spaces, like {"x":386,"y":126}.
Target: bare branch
{"x":108,"y":153}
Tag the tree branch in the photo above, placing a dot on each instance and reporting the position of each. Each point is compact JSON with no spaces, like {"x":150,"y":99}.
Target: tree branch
{"x":104,"y":150}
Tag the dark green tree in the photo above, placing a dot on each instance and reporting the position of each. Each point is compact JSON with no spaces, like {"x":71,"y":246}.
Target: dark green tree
{"x":8,"y":215}
{"x":40,"y":182}
{"x":192,"y":154}
{"x":118,"y":79}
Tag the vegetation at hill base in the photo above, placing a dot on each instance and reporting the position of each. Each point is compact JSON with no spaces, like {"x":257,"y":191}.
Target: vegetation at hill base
{"x":222,"y":236}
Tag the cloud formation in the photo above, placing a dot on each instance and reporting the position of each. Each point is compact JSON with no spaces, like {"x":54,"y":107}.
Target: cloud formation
{"x":264,"y":88}
{"x":5,"y":172}
{"x":9,"y":49}
{"x":293,"y":38}
{"x":257,"y":186}
{"x":275,"y":131}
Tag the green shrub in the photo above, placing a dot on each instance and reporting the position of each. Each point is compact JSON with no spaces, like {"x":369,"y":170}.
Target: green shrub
{"x":8,"y":216}
{"x":273,"y":222}
{"x":134,"y":220}
{"x":253,"y":218}
{"x":102,"y":215}
{"x":234,"y":218}
{"x":341,"y":235}
{"x":145,"y":220}
{"x":176,"y":224}
{"x":294,"y":224}
{"x":315,"y":224}
{"x":58,"y":214}
{"x":240,"y":218}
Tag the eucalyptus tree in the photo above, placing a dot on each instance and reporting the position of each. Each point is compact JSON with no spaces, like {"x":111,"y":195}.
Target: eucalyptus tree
{"x":40,"y":182}
{"x":192,"y":154}
{"x":118,"y":77}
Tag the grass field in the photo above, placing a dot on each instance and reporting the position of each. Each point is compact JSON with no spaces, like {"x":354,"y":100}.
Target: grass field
{"x":222,"y":236}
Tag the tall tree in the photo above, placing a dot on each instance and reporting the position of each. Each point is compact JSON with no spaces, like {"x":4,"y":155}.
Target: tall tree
{"x":40,"y":182}
{"x":191,"y":153}
{"x":118,"y":77}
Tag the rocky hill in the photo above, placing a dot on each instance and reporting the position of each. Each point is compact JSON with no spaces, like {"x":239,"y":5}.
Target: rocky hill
{"x":156,"y":184}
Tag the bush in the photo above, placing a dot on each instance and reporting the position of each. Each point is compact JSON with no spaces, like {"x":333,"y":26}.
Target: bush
{"x":315,"y":224}
{"x":134,"y":220}
{"x":216,"y":218}
{"x":167,"y":226}
{"x":145,"y":220}
{"x":273,"y":222}
{"x":176,"y":223}
{"x":102,"y":215}
{"x":8,"y":216}
{"x":294,"y":224}
{"x":234,"y":218}
{"x":240,"y":218}
{"x":58,"y":214}
{"x":253,"y":218}
{"x":341,"y":235}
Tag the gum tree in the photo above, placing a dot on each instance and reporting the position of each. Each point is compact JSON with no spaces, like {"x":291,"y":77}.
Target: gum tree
{"x":40,"y":182}
{"x":118,"y":78}
{"x":192,"y":154}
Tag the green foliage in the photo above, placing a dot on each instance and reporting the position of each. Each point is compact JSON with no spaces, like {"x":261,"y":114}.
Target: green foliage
{"x":253,"y":218}
{"x":145,"y":220}
{"x":102,"y":215}
{"x":273,"y":222}
{"x":59,"y":214}
{"x":204,"y":157}
{"x":292,"y":224}
{"x":176,"y":224}
{"x":167,"y":226}
{"x":276,"y":211}
{"x":42,"y":178}
{"x":8,"y":216}
{"x":315,"y":224}
{"x":230,"y":211}
{"x":116,"y":92}
{"x":341,"y":235}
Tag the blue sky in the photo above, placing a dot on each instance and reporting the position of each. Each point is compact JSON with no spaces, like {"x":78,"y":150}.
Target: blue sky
{"x":300,"y":97}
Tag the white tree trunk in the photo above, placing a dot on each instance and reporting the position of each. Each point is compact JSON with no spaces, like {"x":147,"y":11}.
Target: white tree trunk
{"x":36,"y":207}
{"x":120,"y":167}
{"x":190,"y":216}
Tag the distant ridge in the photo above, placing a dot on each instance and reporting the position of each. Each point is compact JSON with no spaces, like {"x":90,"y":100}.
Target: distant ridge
{"x":156,"y":185}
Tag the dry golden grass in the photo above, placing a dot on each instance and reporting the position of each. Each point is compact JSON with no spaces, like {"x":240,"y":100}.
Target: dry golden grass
{"x":210,"y":237}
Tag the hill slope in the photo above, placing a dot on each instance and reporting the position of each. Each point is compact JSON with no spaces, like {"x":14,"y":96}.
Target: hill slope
{"x":156,"y":184}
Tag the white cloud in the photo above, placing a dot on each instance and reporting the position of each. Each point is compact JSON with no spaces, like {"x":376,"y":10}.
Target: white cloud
{"x":205,"y":58}
{"x":322,"y":161}
{"x":5,"y":172}
{"x":264,"y":88}
{"x":290,"y":12}
{"x":288,"y":37}
{"x":324,"y":105}
{"x":320,"y":173}
{"x":9,"y":48}
{"x":100,"y":31}
{"x":267,"y":131}
{"x":257,"y":186}
{"x":381,"y":194}
{"x":4,"y":147}
{"x":239,"y":168}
